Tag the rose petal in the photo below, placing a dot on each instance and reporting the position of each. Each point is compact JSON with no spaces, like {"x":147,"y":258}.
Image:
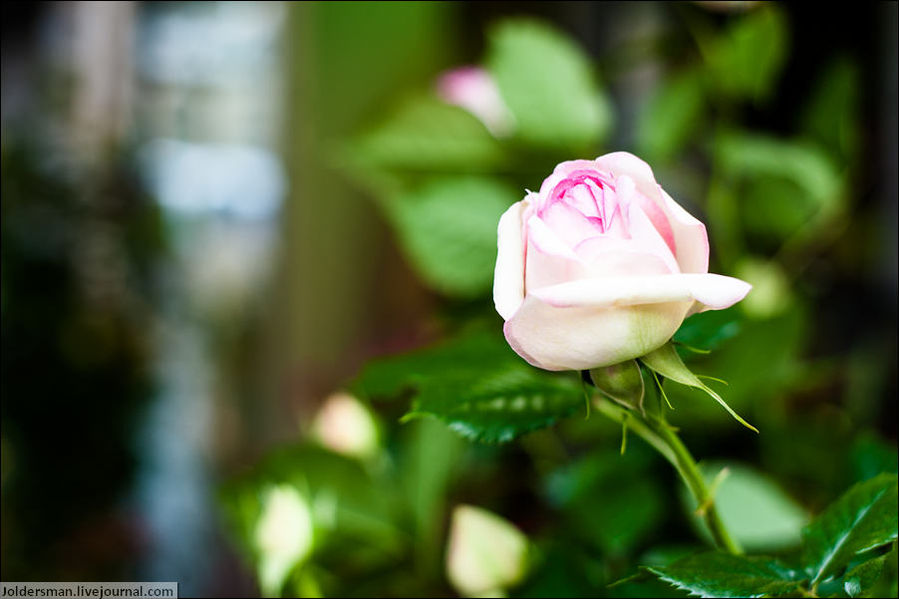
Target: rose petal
{"x":626,"y":164}
{"x":508,"y":276}
{"x":588,"y":337}
{"x":716,"y":292}
{"x":690,"y":236}
{"x":566,"y":221}
{"x":627,"y":190}
{"x":549,"y":261}
{"x":598,"y":322}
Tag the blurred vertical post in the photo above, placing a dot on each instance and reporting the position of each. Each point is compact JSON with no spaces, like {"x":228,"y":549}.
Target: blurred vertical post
{"x":345,"y":61}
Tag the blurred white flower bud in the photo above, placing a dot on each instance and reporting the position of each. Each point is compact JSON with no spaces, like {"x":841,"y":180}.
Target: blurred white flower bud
{"x":283,"y":536}
{"x":486,"y":554}
{"x":344,"y":425}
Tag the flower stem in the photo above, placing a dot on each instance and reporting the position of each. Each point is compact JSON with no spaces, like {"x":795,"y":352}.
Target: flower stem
{"x":665,"y":440}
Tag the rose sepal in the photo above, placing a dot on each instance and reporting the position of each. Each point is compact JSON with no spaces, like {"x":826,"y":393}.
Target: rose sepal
{"x":666,"y":362}
{"x":622,"y":383}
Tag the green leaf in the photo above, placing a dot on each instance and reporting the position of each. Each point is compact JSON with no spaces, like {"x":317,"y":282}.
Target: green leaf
{"x":723,"y":575}
{"x":746,"y":59}
{"x":791,"y":181}
{"x":425,"y":134}
{"x":671,"y":116}
{"x":832,"y":115}
{"x":862,"y":519}
{"x":548,"y":84}
{"x":477,"y":385}
{"x":609,"y":501}
{"x":465,"y":356}
{"x":707,"y":330}
{"x":499,"y":406}
{"x":447,"y":228}
{"x":622,"y":383}
{"x":429,"y":459}
{"x":771,"y":289}
{"x":666,"y":362}
{"x":861,"y":580}
{"x":757,"y":512}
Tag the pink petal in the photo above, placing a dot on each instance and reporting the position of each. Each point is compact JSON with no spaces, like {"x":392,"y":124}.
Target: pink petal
{"x":690,"y":236}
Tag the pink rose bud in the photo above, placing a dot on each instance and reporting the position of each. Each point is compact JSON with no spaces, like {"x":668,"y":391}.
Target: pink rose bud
{"x":601,"y":266}
{"x":473,"y":89}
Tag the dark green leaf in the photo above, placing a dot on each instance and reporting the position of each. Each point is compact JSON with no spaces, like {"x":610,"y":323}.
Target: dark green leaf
{"x":464,"y":357}
{"x":548,"y":84}
{"x":860,"y":580}
{"x":724,"y":575}
{"x":447,"y":228}
{"x":499,"y":406}
{"x":863,"y":518}
{"x":477,"y":385}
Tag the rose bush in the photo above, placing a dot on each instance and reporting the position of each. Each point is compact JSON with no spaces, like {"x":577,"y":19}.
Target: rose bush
{"x":601,"y":266}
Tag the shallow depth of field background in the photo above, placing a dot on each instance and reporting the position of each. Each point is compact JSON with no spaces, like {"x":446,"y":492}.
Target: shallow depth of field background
{"x":190,"y":267}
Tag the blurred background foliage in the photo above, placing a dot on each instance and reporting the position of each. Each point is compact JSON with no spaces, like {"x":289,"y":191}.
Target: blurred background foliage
{"x":218,"y":218}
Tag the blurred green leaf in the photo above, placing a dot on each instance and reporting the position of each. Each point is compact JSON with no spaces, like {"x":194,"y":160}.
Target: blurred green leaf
{"x":549,"y":86}
{"x":771,"y":291}
{"x":747,"y":57}
{"x":865,"y":517}
{"x":773,"y":208}
{"x":671,"y":117}
{"x":723,"y":575}
{"x":870,"y":455}
{"x":831,"y":116}
{"x":756,"y":511}
{"x":428,"y":135}
{"x":610,"y":501}
{"x":790,"y":182}
{"x":447,"y":228}
{"x":428,"y":459}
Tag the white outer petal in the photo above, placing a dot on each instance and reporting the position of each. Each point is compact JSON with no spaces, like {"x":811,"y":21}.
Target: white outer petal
{"x":508,"y":276}
{"x":598,"y":322}
{"x":714,"y":291}
{"x":584,"y":337}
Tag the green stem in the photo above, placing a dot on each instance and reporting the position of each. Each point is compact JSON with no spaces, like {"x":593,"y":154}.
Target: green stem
{"x":664,"y":440}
